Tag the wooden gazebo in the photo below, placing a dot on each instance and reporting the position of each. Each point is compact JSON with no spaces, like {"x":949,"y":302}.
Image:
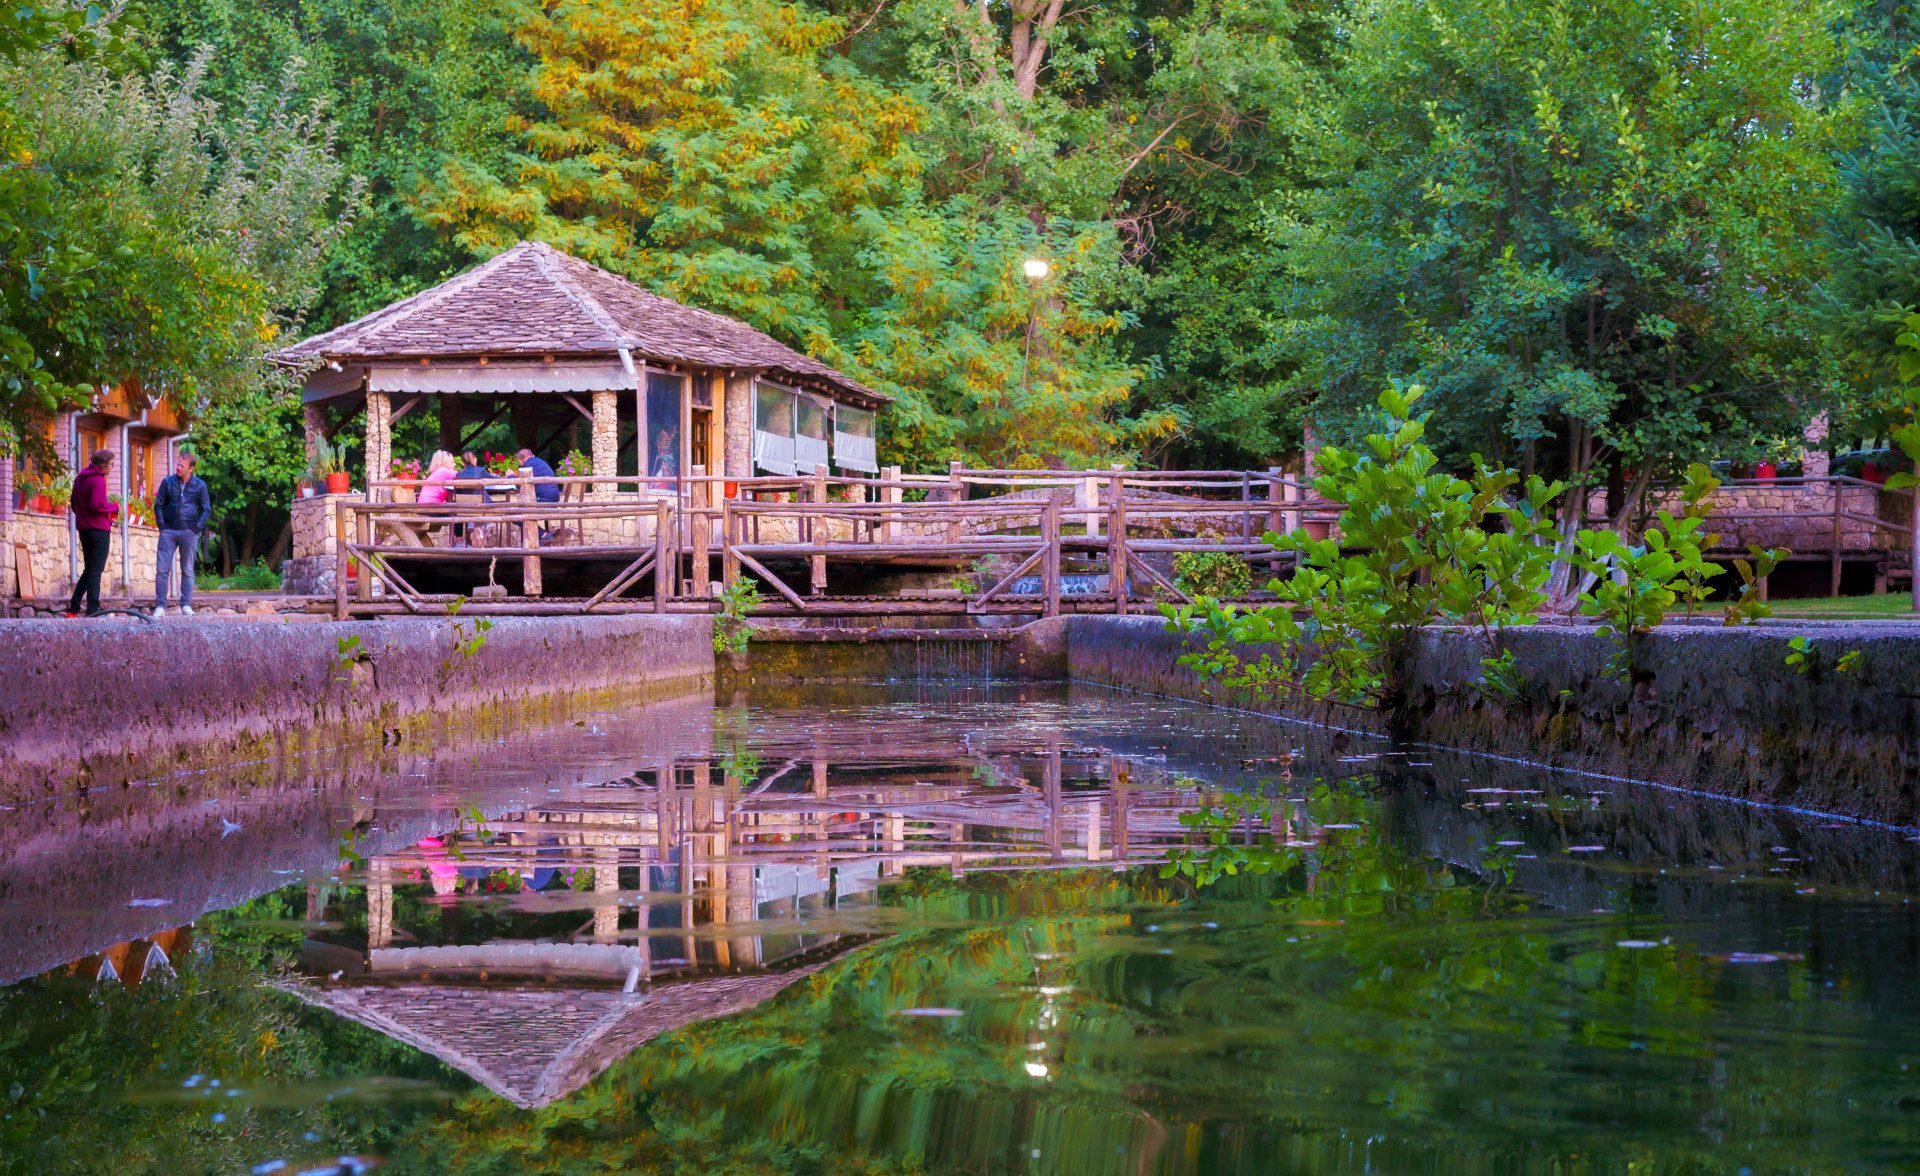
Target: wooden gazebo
{"x":553,"y":343}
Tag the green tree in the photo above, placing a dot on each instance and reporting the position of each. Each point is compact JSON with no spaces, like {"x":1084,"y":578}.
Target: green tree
{"x":150,"y":234}
{"x":1591,"y":229}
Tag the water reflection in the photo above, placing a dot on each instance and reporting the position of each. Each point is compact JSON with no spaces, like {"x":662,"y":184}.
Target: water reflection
{"x":950,"y":929}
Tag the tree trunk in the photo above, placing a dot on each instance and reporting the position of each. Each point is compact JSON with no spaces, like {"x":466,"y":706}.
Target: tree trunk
{"x":246,"y":533}
{"x":280,"y":544}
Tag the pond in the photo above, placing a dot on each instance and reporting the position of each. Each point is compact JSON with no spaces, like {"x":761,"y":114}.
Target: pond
{"x":947,"y":928}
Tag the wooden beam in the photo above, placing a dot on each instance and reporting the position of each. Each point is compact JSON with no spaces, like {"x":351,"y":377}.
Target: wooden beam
{"x":411,"y":404}
{"x":499,"y":407}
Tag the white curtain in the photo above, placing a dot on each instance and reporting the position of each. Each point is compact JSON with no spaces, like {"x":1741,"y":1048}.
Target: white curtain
{"x":810,"y":433}
{"x":773,"y":445}
{"x":855,"y":446}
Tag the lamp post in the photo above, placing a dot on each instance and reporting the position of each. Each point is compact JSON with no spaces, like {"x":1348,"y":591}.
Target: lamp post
{"x":1037,"y":270}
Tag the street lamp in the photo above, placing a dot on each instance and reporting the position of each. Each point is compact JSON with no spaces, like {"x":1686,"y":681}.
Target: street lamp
{"x":1036,"y":269}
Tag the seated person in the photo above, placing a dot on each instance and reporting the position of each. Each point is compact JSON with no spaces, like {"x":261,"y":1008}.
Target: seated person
{"x":548,"y":492}
{"x":440,"y":473}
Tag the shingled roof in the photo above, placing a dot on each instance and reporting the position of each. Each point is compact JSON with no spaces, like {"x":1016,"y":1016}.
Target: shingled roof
{"x":535,"y":300}
{"x":534,"y":1046}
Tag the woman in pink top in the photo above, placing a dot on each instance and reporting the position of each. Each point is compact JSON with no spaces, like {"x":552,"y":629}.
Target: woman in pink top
{"x":440,"y":473}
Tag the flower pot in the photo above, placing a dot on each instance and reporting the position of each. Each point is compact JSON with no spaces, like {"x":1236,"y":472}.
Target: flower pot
{"x":1317,"y":528}
{"x":731,"y":489}
{"x":1765,"y":471}
{"x":305,"y":489}
{"x":42,"y":504}
{"x":339,"y":483}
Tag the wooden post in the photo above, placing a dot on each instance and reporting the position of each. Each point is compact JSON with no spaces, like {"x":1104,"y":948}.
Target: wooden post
{"x":1278,"y":490}
{"x":894,"y":495}
{"x":817,"y":565}
{"x":341,"y":560}
{"x":529,"y":537}
{"x":702,"y":533}
{"x":1050,"y":563}
{"x":1088,"y":495}
{"x":1913,"y":549}
{"x":959,"y":495}
{"x":363,"y":535}
{"x":1117,"y":542}
{"x":729,"y":561}
{"x":1833,"y":579}
{"x":662,"y":568}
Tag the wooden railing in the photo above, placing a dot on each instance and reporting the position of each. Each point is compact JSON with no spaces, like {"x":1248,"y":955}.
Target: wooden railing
{"x":1122,"y":524}
{"x":1033,"y":521}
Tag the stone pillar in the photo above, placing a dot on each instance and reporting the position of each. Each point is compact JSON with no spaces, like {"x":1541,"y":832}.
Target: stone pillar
{"x":1814,"y":462}
{"x":379,"y":905}
{"x":6,"y":488}
{"x":606,"y":885}
{"x":379,"y":437}
{"x":739,"y":427}
{"x":606,"y":439}
{"x":314,"y":422}
{"x":1309,"y":455}
{"x":63,"y":441}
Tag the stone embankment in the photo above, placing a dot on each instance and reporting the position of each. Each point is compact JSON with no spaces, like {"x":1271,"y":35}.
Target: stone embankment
{"x":101,"y":702}
{"x":1709,"y":709}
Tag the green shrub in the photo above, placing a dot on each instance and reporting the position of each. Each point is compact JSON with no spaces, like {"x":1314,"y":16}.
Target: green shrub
{"x":1212,"y":573}
{"x":253,"y":577}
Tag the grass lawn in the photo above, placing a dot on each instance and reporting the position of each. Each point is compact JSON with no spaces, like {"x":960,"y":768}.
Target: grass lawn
{"x":1893,"y":606}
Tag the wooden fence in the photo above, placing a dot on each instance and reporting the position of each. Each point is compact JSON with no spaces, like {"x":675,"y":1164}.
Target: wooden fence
{"x":1034,"y":529}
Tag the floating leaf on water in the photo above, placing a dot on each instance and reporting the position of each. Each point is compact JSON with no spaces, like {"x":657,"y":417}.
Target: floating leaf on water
{"x":1509,"y":843}
{"x":928,"y":1012}
{"x":1586,"y":849}
{"x":150,"y":902}
{"x":1638,"y":943}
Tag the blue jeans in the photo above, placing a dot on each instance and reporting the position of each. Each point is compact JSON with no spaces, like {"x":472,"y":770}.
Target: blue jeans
{"x":184,"y":542}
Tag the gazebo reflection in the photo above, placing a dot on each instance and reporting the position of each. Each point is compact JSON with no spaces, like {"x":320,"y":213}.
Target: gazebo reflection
{"x":533,"y":949}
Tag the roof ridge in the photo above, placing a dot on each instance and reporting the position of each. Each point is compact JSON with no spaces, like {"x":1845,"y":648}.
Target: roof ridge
{"x":544,"y":256}
{"x":391,"y":316}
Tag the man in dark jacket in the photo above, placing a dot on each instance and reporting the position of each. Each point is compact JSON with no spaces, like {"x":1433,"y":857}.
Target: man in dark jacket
{"x":93,"y":513}
{"x":182,"y":508}
{"x":529,"y":460}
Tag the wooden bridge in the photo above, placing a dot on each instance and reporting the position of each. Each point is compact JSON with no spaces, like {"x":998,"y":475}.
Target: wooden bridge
{"x":967,"y":542}
{"x":1023,"y":542}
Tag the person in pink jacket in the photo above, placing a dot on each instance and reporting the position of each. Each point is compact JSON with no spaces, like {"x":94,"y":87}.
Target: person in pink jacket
{"x":440,"y":472}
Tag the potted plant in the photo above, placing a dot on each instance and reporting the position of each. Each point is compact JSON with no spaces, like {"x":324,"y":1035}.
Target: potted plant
{"x":574,"y":465}
{"x":407,"y":473}
{"x":38,"y":499}
{"x":330,"y":462}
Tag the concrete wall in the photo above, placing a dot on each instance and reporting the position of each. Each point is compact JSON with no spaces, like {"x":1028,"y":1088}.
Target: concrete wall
{"x":1712,"y":709}
{"x":103,"y":702}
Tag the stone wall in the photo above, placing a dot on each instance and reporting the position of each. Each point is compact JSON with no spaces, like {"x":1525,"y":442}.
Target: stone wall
{"x":288,"y":818}
{"x":1710,"y":709}
{"x":49,"y":542}
{"x":1800,"y":517}
{"x":105,"y":702}
{"x":311,"y":570}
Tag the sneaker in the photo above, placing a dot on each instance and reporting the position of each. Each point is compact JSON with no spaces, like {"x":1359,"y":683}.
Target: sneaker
{"x":73,"y":616}
{"x":186,"y":610}
{"x":159,"y":610}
